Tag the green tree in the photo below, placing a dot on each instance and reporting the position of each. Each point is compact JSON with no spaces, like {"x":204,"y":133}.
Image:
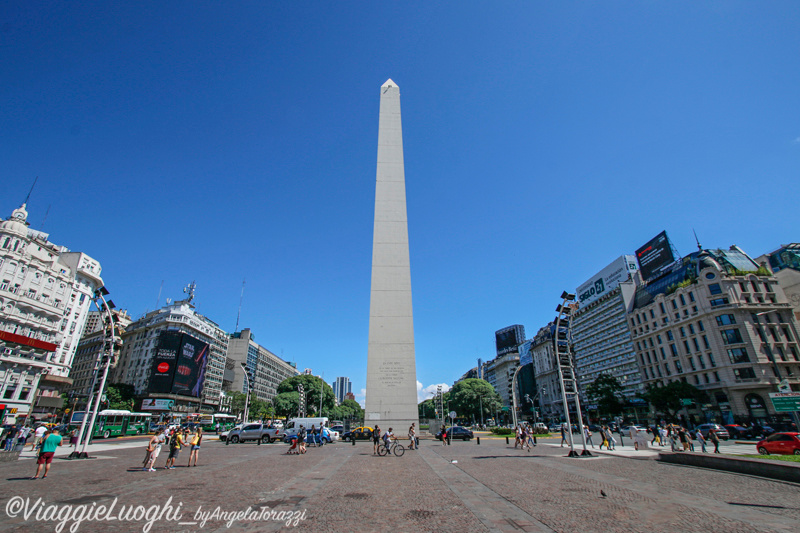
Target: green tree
{"x":468,"y":395}
{"x":285,"y":404}
{"x":426,"y":408}
{"x":120,"y":396}
{"x":667,"y":399}
{"x":312,"y":386}
{"x":237,"y":402}
{"x":605,"y":391}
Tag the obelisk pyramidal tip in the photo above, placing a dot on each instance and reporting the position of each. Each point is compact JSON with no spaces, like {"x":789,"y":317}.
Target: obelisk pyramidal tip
{"x":391,"y":399}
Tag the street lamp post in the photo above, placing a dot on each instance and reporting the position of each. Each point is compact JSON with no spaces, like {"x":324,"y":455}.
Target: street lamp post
{"x":566,"y":371}
{"x":514,"y":393}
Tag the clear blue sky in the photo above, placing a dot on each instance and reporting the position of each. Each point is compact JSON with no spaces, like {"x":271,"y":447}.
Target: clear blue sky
{"x":218,"y":142}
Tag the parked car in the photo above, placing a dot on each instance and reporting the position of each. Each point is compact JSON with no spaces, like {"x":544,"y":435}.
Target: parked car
{"x":626,"y":431}
{"x":738,"y":432}
{"x":457,"y":432}
{"x":780,"y":443}
{"x":360,"y":433}
{"x":255,"y":432}
{"x":722,"y":433}
{"x":338,"y":428}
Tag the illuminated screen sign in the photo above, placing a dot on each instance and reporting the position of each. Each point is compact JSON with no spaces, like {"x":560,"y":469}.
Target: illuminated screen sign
{"x":179,"y":365}
{"x":507,"y":339}
{"x":654,"y":256}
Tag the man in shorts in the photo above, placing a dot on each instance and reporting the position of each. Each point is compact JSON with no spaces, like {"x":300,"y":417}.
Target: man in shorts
{"x":175,"y":443}
{"x":376,"y":439}
{"x":38,"y":435}
{"x":51,"y":442}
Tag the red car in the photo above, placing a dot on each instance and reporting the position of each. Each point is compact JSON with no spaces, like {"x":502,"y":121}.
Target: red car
{"x":780,"y":443}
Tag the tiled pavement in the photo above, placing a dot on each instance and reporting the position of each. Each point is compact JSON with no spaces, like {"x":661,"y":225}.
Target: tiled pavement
{"x":464,"y":487}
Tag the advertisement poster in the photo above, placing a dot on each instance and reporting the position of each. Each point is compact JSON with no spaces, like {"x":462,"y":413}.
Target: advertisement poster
{"x":654,"y":256}
{"x":164,"y":362}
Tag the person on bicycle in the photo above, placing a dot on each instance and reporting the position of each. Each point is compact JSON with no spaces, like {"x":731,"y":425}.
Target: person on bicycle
{"x":387,"y":439}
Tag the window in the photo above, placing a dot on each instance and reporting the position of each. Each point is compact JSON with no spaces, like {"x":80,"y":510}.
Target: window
{"x":650,"y":340}
{"x":700,"y":360}
{"x":714,"y":288}
{"x":711,"y":361}
{"x":731,"y":336}
{"x":691,"y":329}
{"x":754,"y":283}
{"x":719,"y":301}
{"x":678,"y":367}
{"x":638,"y":319}
{"x":696,"y":345}
{"x":691,"y":363}
{"x":767,"y":288}
{"x":658,"y":338}
{"x":652,"y":314}
{"x":674,"y":350}
{"x":674,"y":304}
{"x":696,"y":379}
{"x":794,"y":353}
{"x":716,"y":376}
{"x":738,"y":355}
{"x":700,"y":325}
{"x":744,"y":373}
{"x":677,"y":316}
{"x":683,"y":300}
{"x":683,"y":332}
{"x":691,"y":296}
{"x":10,"y":390}
{"x":781,"y":353}
{"x":705,"y":377}
{"x":725,"y":320}
{"x":645,"y":374}
{"x":663,"y":355}
{"x":686,"y":347}
{"x":666,"y":369}
{"x":661,"y":306}
{"x":658,"y":369}
{"x":670,"y":336}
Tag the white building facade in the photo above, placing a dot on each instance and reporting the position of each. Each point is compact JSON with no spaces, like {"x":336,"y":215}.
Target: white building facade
{"x":45,"y":295}
{"x":268,"y":370}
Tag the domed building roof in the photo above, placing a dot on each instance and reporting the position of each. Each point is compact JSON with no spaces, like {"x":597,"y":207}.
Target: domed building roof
{"x":706,"y":260}
{"x":17,"y":224}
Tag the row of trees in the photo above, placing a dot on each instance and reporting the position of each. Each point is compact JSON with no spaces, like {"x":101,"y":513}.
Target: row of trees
{"x":466,"y":398}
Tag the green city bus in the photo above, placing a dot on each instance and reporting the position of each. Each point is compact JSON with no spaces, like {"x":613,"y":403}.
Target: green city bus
{"x":209,"y":422}
{"x":114,"y":423}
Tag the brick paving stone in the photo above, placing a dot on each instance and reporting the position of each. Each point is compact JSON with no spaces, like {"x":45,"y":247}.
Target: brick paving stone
{"x":491,"y":487}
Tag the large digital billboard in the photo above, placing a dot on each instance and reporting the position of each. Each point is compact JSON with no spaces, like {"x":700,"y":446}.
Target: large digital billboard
{"x":179,"y":365}
{"x":654,"y":256}
{"x":507,"y":339}
{"x":607,"y":279}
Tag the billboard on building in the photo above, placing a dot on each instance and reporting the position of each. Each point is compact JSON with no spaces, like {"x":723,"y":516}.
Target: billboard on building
{"x":654,"y":256}
{"x":525,"y":354}
{"x":607,"y":279}
{"x":507,"y":339}
{"x":179,"y":365}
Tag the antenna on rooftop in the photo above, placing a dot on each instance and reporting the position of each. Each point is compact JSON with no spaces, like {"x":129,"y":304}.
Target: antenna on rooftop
{"x":29,"y":192}
{"x":697,"y":240}
{"x":45,"y":216}
{"x":158,"y":300}
{"x":236,"y":329}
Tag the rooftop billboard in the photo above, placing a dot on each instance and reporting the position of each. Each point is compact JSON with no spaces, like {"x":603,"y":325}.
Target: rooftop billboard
{"x":607,"y":279}
{"x":179,"y":366}
{"x":507,"y":339}
{"x":654,"y":256}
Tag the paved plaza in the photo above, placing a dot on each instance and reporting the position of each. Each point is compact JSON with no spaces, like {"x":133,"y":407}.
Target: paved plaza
{"x":340,"y":487}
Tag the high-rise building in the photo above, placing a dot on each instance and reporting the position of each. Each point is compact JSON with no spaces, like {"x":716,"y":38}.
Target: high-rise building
{"x":156,"y":336}
{"x":45,"y":295}
{"x":268,"y":370}
{"x":341,"y":387}
{"x":391,"y":398}
{"x":602,"y":341}
{"x":722,"y":323}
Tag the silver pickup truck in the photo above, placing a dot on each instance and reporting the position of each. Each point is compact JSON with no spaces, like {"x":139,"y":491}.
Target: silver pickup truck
{"x":256,"y":432}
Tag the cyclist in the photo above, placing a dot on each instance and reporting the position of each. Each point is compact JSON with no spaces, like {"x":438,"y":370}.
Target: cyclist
{"x":387,"y":439}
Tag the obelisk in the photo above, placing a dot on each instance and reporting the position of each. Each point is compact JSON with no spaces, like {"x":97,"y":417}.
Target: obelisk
{"x":391,"y":399}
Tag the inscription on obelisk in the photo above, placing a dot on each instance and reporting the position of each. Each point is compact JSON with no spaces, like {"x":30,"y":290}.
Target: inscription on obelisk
{"x":391,"y":399}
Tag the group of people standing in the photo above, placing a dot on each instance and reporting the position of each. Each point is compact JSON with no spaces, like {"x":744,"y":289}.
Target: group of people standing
{"x":524,"y":437}
{"x":680,"y":438}
{"x":176,"y":439}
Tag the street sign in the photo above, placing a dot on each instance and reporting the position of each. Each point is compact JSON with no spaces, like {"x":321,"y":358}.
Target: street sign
{"x":784,"y":386}
{"x":452,"y":414}
{"x":785,"y":402}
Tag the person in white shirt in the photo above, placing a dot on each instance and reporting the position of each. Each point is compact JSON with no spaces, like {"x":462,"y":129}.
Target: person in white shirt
{"x":37,"y":436}
{"x":412,"y":436}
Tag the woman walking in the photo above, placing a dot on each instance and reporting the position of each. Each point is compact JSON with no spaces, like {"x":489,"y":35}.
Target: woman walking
{"x":195,"y":443}
{"x":713,"y":437}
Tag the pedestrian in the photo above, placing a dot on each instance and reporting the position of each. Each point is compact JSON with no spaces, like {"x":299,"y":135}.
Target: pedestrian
{"x":611,"y":440}
{"x":153,"y":449}
{"x":388,"y":436}
{"x":216,"y":428}
{"x":654,"y":431}
{"x":175,"y":444}
{"x":48,"y":450}
{"x":38,"y":436}
{"x":713,"y":437}
{"x":701,"y":440}
{"x":662,"y":436}
{"x":564,"y":435}
{"x":22,"y":436}
{"x":517,"y":435}
{"x":8,"y":436}
{"x":603,"y":439}
{"x":588,"y":435}
{"x":444,"y":435}
{"x":412,"y":435}
{"x":73,"y":438}
{"x":376,"y":439}
{"x":195,"y":446}
{"x":313,"y":434}
{"x":531,"y":437}
{"x":301,"y":439}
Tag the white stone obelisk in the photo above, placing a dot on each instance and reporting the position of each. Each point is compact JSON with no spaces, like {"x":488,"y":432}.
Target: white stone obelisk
{"x":391,"y":399}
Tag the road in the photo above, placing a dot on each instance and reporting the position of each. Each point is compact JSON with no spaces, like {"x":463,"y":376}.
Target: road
{"x":464,"y":487}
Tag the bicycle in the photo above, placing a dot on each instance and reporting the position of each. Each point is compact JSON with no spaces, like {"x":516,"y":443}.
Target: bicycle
{"x":394,"y":447}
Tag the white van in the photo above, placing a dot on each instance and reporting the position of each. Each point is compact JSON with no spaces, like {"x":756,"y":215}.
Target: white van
{"x":294,"y":424}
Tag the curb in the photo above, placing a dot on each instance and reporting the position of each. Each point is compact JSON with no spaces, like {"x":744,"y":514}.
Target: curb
{"x":752,"y":467}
